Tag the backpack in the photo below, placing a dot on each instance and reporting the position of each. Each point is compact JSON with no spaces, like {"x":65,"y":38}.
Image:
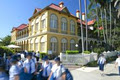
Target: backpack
{"x":68,"y":75}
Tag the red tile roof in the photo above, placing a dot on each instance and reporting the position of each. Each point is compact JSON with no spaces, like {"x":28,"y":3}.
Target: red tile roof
{"x":38,"y":9}
{"x":56,"y":7}
{"x":89,"y":22}
{"x":22,"y":26}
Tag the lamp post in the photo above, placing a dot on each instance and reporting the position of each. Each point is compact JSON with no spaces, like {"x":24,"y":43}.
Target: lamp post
{"x":81,"y":26}
{"x":91,"y":48}
{"x":76,"y":46}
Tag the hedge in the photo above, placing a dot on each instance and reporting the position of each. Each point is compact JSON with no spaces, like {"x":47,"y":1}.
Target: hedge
{"x":86,"y":52}
{"x":6,"y":50}
{"x":72,"y":51}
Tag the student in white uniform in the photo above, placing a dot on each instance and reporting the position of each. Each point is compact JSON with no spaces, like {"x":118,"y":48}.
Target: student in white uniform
{"x":58,"y":71}
{"x":37,"y":55}
{"x":101,"y":62}
{"x":118,"y":63}
{"x":3,"y":75}
{"x":14,"y":69}
{"x":29,"y":67}
{"x":8,"y":64}
{"x":20,"y":63}
{"x":46,"y":67}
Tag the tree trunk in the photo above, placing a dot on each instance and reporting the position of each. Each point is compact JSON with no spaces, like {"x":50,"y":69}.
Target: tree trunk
{"x":103,"y":27}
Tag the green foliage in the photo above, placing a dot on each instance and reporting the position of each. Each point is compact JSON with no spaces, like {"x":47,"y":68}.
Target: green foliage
{"x":110,"y":59}
{"x":42,"y":54}
{"x":5,"y":41}
{"x":92,"y":64}
{"x":86,"y":52}
{"x":5,"y":50}
{"x":118,"y":48}
{"x":72,"y":51}
{"x":99,"y":50}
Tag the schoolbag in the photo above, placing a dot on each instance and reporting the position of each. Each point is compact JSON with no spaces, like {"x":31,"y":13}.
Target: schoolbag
{"x":68,"y":75}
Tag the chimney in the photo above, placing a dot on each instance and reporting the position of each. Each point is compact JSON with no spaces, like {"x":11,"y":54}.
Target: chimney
{"x":83,"y":16}
{"x":78,"y":14}
{"x":61,"y":4}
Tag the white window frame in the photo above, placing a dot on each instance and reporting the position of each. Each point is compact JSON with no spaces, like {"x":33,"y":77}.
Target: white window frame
{"x":64,"y":45}
{"x":72,"y":26}
{"x":53,"y":43}
{"x":72,"y":44}
{"x":64,"y":24}
{"x":42,"y":44}
{"x":53,"y":21}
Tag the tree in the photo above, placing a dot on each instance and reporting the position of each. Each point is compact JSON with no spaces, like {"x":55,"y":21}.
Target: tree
{"x":5,"y":41}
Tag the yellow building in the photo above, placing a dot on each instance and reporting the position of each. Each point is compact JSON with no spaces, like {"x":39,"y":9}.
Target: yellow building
{"x":53,"y":29}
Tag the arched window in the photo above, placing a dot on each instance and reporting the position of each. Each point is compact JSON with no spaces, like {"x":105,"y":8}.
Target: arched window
{"x":43,"y":21}
{"x":63,"y":45}
{"x":53,"y":44}
{"x":36,"y":44}
{"x":32,"y":29}
{"x":31,"y":44}
{"x":72,"y":26}
{"x":72,"y":44}
{"x":64,"y":24}
{"x":42,"y":44}
{"x":53,"y":21}
{"x":37,"y":24}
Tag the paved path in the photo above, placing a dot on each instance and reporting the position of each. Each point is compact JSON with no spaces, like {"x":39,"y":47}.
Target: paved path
{"x":92,"y":73}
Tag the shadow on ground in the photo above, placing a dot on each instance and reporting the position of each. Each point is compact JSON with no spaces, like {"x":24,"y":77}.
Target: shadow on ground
{"x":112,"y":74}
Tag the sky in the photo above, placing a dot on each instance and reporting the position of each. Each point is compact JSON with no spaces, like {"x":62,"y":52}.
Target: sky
{"x":15,"y":12}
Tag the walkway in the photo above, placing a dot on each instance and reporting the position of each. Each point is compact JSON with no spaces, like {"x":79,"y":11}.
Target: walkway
{"x":92,"y":73}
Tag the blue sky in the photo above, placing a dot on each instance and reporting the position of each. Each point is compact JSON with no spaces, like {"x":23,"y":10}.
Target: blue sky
{"x":15,"y":12}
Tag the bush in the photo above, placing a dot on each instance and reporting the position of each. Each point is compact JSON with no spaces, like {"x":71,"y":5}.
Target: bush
{"x":110,"y":59}
{"x":72,"y":51}
{"x":99,"y":50}
{"x":42,"y":54}
{"x":86,"y":52}
{"x":92,"y":64}
{"x":118,"y":48}
{"x":6,"y":50}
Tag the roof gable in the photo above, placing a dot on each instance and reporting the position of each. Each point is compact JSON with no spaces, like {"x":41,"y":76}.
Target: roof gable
{"x":37,"y":10}
{"x":65,"y":10}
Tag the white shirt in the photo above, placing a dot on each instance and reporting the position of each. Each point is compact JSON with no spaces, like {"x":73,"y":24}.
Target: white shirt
{"x":118,"y":61}
{"x":29,"y":63}
{"x":57,"y":71}
{"x":8,"y":64}
{"x":20,"y":64}
{"x":46,"y":68}
{"x":101,"y":60}
{"x":34,"y":59}
{"x":14,"y":70}
{"x":38,"y":54}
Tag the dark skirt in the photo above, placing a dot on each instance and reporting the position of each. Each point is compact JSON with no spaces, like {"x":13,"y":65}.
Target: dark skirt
{"x":101,"y":67}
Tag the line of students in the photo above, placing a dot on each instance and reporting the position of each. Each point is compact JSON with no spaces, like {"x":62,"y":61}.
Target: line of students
{"x":28,"y":69}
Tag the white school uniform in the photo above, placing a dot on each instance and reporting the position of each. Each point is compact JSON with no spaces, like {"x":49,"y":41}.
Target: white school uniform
{"x":20,"y":64}
{"x":38,"y":54}
{"x":8,"y":64}
{"x":29,"y":65}
{"x":118,"y":61}
{"x":101,"y":60}
{"x":58,"y":71}
{"x":3,"y":76}
{"x":46,"y":69}
{"x":14,"y":70}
